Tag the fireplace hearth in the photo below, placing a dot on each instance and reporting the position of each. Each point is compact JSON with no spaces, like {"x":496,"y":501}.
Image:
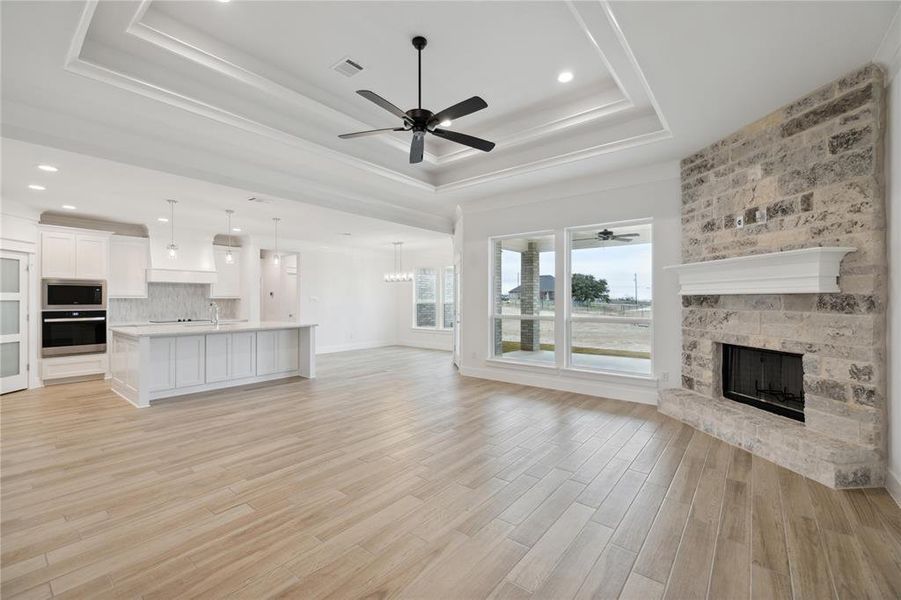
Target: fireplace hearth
{"x":766,"y":379}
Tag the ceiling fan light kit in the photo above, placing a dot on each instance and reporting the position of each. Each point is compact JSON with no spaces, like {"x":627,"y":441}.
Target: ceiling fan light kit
{"x":422,"y":121}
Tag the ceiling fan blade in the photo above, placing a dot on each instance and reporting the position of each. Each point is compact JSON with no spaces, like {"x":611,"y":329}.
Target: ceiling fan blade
{"x":417,"y":146}
{"x":373,"y":97}
{"x":466,"y":140}
{"x":347,"y":136}
{"x":628,"y":234}
{"x":461,"y":109}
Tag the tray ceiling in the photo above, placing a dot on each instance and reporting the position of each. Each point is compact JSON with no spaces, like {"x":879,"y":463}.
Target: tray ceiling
{"x":210,"y":58}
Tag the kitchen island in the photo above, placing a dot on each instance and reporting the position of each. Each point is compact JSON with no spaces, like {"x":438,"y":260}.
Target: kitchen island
{"x":151,"y":362}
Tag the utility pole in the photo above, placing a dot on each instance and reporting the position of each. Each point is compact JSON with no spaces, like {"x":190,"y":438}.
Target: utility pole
{"x":635,"y":279}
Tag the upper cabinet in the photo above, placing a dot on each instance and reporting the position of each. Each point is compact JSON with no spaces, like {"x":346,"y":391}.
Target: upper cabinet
{"x":129,"y":258}
{"x":57,"y":254}
{"x":74,"y":255}
{"x":228,"y":280}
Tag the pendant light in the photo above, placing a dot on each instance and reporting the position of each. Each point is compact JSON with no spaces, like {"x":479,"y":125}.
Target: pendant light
{"x":276,"y":259}
{"x":229,"y":258}
{"x":172,"y":248}
{"x":398,"y":275}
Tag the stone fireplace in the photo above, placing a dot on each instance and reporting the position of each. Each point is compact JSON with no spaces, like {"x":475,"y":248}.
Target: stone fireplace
{"x":809,"y":175}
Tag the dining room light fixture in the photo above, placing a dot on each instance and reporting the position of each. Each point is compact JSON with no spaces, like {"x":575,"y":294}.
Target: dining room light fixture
{"x":398,"y":275}
{"x":276,"y":259}
{"x":229,"y":257}
{"x":172,"y":247}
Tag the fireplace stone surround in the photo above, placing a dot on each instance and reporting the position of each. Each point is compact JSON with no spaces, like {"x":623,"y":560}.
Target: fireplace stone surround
{"x":809,"y":174}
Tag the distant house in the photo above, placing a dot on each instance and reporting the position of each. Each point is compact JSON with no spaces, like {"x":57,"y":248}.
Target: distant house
{"x":546,"y":289}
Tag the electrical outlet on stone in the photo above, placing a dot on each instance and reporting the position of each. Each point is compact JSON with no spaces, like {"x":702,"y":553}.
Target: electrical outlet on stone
{"x":739,"y":221}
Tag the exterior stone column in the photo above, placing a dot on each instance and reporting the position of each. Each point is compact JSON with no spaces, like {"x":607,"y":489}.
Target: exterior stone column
{"x":496,"y":308}
{"x":530,"y":299}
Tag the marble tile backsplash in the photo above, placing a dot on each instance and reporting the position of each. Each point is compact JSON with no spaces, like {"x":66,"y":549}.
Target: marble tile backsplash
{"x":169,"y":301}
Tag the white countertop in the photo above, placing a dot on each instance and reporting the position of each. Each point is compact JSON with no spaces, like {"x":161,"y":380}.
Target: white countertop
{"x":172,"y":329}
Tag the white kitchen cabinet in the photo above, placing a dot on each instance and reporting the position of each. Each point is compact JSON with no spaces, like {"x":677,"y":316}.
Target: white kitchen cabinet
{"x":73,"y":254}
{"x":190,"y":362}
{"x":91,"y":256}
{"x":77,"y":365}
{"x":57,"y":254}
{"x":266,"y":355}
{"x":162,"y":364}
{"x":217,"y":357}
{"x":286,"y":350}
{"x":129,"y":258}
{"x":277,"y":351}
{"x":243,"y":355}
{"x":228,"y":275}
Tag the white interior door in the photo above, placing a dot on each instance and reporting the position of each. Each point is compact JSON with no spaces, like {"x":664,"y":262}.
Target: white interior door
{"x":13,"y":321}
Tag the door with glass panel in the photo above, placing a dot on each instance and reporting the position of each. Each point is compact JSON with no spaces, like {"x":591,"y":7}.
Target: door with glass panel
{"x":13,"y":324}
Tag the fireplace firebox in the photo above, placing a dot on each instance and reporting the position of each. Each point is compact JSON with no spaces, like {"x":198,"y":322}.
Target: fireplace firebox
{"x":766,"y":379}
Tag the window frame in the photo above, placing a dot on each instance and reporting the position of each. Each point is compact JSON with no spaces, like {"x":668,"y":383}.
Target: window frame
{"x":570,"y":317}
{"x":492,"y":315}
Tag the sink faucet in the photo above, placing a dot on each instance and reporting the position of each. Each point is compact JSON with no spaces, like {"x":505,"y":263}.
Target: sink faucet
{"x":214,"y":313}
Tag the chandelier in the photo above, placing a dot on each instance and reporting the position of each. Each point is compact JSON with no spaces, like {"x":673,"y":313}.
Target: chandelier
{"x":398,"y":274}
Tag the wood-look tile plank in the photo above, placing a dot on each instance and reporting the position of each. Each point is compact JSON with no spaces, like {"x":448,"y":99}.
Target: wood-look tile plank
{"x":458,"y":487}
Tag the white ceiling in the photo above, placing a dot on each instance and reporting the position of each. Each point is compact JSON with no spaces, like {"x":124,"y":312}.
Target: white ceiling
{"x":241,"y":94}
{"x":111,"y":190}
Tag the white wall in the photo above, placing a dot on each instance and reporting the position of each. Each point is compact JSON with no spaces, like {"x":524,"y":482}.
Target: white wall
{"x":438,"y":256}
{"x":893,"y":208}
{"x":652,"y":192}
{"x":343,"y":290}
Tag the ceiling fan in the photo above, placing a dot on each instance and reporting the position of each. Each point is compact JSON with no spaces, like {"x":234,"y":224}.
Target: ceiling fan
{"x":605,"y":235}
{"x":421,"y":121}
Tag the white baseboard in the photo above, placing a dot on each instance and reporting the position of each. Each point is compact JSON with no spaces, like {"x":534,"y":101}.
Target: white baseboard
{"x":602,"y":386}
{"x":353,"y":346}
{"x":893,"y":486}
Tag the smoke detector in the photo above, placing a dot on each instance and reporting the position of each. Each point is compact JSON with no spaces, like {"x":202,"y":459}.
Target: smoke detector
{"x":347,"y":67}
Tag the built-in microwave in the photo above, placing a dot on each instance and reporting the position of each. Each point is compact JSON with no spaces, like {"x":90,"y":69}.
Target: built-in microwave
{"x":74,"y":294}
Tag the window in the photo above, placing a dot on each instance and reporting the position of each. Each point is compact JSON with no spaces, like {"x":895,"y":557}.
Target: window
{"x":433,"y":298}
{"x":425,"y":290}
{"x":604,"y":307}
{"x":610,"y":298}
{"x":447,"y":298}
{"x":524,"y":298}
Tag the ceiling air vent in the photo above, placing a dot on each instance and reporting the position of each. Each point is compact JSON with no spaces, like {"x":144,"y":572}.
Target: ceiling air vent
{"x":347,"y":67}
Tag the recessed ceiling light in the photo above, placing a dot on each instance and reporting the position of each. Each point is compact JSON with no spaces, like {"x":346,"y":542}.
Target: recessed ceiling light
{"x":37,"y":187}
{"x":236,"y":229}
{"x":565,"y":77}
{"x":48,"y":168}
{"x":162,"y":219}
{"x":224,"y":1}
{"x":68,"y":207}
{"x":346,"y":233}
{"x":446,"y":123}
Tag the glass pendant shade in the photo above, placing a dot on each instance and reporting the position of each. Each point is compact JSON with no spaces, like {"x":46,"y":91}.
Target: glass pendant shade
{"x":398,"y":275}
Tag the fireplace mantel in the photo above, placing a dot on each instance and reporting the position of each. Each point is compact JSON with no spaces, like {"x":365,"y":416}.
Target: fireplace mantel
{"x":804,"y":271}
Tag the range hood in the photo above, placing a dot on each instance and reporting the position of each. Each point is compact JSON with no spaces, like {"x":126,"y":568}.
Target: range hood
{"x":194,"y":262}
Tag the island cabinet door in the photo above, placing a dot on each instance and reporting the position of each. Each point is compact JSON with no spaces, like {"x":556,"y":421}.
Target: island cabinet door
{"x":217,"y":351}
{"x":287,"y":350}
{"x":162,"y":364}
{"x":266,"y":352}
{"x":242,"y":355}
{"x":189,"y":360}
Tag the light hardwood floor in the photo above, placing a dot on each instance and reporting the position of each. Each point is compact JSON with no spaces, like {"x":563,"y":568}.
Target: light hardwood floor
{"x":391,"y":476}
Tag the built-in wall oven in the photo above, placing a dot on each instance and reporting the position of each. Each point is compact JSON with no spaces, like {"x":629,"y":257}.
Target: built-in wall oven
{"x":74,"y":317}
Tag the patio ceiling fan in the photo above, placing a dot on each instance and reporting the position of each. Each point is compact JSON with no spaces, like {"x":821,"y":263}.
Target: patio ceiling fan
{"x":605,"y":235}
{"x":421,"y":121}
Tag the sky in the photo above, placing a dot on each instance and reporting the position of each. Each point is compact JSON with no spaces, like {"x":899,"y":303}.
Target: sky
{"x":616,"y":264}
